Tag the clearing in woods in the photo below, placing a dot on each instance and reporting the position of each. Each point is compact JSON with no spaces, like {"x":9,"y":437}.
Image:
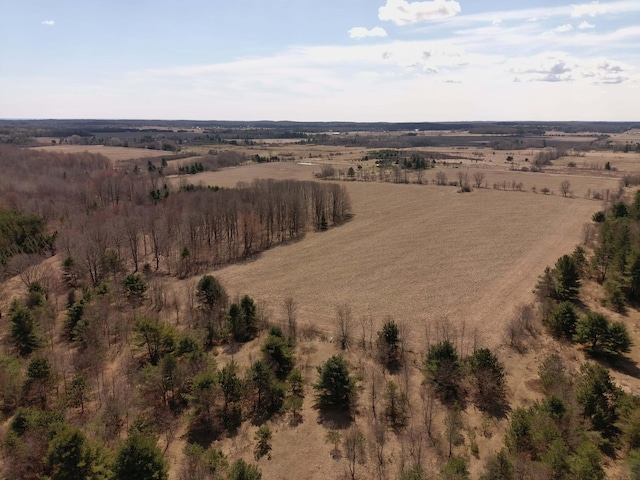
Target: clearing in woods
{"x":419,"y":253}
{"x":117,"y":154}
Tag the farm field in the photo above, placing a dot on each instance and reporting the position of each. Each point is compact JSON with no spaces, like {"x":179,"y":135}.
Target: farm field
{"x":419,"y":253}
{"x":117,"y":154}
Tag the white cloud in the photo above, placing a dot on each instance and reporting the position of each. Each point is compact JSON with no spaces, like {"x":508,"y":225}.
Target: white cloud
{"x":594,"y":9}
{"x":605,"y":72}
{"x":560,"y":67}
{"x":544,"y":69}
{"x":48,"y":23}
{"x":585,"y":25}
{"x":362,"y":32}
{"x":564,"y":28}
{"x":402,"y":12}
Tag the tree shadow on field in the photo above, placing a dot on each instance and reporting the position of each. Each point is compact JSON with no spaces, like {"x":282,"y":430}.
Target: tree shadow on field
{"x":231,"y":348}
{"x":621,"y":364}
{"x":204,"y":432}
{"x":334,"y":419}
{"x":499,"y":409}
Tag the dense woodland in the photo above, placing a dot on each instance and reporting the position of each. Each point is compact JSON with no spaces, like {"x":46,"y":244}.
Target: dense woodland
{"x":107,"y":221}
{"x":102,"y":361}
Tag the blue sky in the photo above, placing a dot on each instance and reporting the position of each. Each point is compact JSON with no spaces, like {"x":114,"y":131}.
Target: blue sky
{"x":351,"y":60}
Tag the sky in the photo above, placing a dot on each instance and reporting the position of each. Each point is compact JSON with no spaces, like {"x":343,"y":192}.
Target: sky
{"x":335,"y":60}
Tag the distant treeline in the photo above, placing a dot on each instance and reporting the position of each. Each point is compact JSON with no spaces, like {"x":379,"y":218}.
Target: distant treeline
{"x":132,"y":132}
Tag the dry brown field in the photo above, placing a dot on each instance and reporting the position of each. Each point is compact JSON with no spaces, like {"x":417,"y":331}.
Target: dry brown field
{"x":116,"y":154}
{"x":419,"y":253}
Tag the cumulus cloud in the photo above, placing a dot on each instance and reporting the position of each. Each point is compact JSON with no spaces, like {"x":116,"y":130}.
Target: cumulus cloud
{"x":585,"y":25}
{"x":48,"y":23}
{"x":402,"y":12}
{"x":605,"y":72}
{"x":552,"y":68}
{"x":564,"y":28}
{"x":594,"y":9}
{"x":362,"y":32}
{"x":560,"y":67}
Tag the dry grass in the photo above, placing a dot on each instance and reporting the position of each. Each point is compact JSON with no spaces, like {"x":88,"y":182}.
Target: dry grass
{"x":419,"y":253}
{"x":116,"y":154}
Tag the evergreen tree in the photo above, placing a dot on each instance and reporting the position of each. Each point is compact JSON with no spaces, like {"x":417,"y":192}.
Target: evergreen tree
{"x":585,"y":464}
{"x":562,"y":321}
{"x":455,"y":469}
{"x":442,"y":370}
{"x":241,"y":470}
{"x":567,"y":278}
{"x":278,"y":354}
{"x":488,"y":379}
{"x":155,"y":336}
{"x":23,"y":329}
{"x":335,"y":386}
{"x":498,"y":467}
{"x":232,"y":389}
{"x":70,"y":456}
{"x":40,"y":380}
{"x":598,"y":396}
{"x":518,"y":436}
{"x":599,"y":335}
{"x":139,"y":458}
{"x":592,"y":330}
{"x":388,"y":345}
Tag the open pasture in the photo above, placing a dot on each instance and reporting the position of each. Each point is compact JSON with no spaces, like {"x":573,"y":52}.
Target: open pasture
{"x":419,"y":253}
{"x":117,"y":154}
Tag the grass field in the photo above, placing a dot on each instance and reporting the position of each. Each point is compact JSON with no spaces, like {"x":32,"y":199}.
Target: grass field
{"x":418,"y":253}
{"x":117,"y":154}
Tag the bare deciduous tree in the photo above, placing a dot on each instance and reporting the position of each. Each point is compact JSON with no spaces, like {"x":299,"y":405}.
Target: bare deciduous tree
{"x":565,"y":188}
{"x":291,"y":322}
{"x":454,"y":424}
{"x":428,"y":410}
{"x":28,"y":266}
{"x":380,"y":439}
{"x":441,"y":178}
{"x":354,"y":449}
{"x":478,"y":178}
{"x":463,"y":180}
{"x":519,"y":326}
{"x":588,"y":233}
{"x":344,"y":324}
